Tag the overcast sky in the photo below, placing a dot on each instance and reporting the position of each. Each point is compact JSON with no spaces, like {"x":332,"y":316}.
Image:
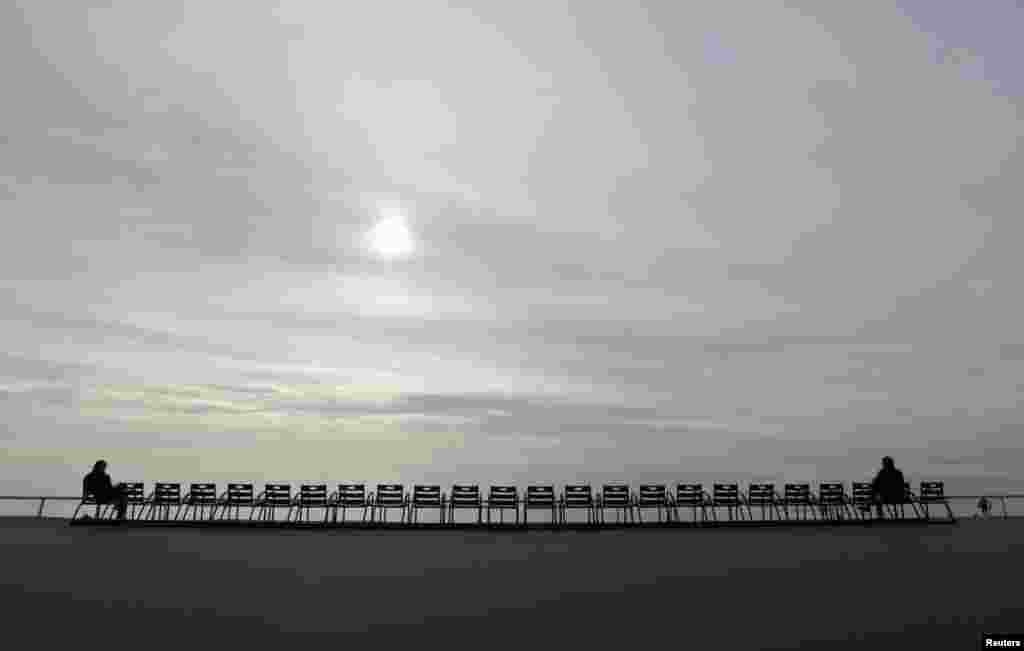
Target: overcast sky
{"x":738,"y":240}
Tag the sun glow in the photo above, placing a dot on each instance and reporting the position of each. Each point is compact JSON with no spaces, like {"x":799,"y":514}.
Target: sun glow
{"x":391,"y":238}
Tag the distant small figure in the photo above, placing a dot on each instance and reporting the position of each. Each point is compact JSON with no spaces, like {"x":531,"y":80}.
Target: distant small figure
{"x":984,"y":507}
{"x":889,"y":486}
{"x":97,"y":483}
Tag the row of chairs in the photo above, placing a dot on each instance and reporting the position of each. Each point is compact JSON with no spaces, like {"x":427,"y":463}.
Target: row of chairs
{"x":831,"y":502}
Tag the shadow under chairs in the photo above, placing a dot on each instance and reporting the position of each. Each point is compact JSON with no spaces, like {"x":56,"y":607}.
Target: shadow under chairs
{"x":465,"y":497}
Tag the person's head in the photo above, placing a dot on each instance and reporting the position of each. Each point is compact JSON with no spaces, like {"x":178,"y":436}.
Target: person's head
{"x":99,"y":466}
{"x":888,"y":463}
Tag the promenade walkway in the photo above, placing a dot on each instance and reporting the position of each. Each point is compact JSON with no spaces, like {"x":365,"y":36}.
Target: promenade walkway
{"x":879,"y":587}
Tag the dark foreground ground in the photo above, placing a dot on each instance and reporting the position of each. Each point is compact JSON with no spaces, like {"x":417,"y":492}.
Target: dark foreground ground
{"x":879,"y":587}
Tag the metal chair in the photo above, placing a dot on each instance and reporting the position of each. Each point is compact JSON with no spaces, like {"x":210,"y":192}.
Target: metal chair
{"x":912,"y":500}
{"x":799,"y":498}
{"x":389,"y":496}
{"x":426,"y":497}
{"x":165,"y":496}
{"x":501,"y":499}
{"x":465,"y":496}
{"x":862,"y":500}
{"x":200,"y":501}
{"x":540,"y":498}
{"x":350,"y":496}
{"x":833,"y":503}
{"x":652,"y":496}
{"x":727,"y":496}
{"x":932,"y":493}
{"x":577,"y":496}
{"x":691,"y":496}
{"x":273,"y":497}
{"x":135,"y":496}
{"x":311,"y":496}
{"x":763,"y":495}
{"x":236,"y":497}
{"x":618,"y":498}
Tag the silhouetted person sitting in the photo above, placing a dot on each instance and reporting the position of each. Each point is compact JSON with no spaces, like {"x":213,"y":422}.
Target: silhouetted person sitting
{"x":889,"y":486}
{"x":97,"y":483}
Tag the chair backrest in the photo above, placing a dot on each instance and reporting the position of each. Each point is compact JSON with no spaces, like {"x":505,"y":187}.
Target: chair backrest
{"x":862,"y":493}
{"x":202,"y":493}
{"x":424,"y":495}
{"x":352,"y":495}
{"x":465,"y":495}
{"x":652,"y":495}
{"x":831,"y":493}
{"x":689,"y":494}
{"x":166,"y":493}
{"x":277,"y":494}
{"x":932,"y":491}
{"x":725,"y":494}
{"x":578,"y":495}
{"x":135,"y":492}
{"x":797,"y":494}
{"x":503,"y":497}
{"x":761,"y":493}
{"x":239,"y":494}
{"x":540,"y":495}
{"x":313,"y":494}
{"x":615,"y":496}
{"x":390,"y":495}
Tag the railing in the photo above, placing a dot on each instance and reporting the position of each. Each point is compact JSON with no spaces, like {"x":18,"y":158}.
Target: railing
{"x":43,"y":499}
{"x":1002,"y":498}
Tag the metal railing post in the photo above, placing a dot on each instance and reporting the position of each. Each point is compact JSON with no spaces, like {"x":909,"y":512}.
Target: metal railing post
{"x":42,"y":503}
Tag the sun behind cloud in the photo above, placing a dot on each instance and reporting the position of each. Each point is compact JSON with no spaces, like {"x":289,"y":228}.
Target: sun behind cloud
{"x":391,"y":238}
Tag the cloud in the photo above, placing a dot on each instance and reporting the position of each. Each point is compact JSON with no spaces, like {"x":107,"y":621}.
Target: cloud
{"x":642,"y":234}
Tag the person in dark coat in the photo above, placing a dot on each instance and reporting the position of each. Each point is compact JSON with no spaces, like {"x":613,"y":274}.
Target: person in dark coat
{"x":97,"y":483}
{"x":888,"y":487}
